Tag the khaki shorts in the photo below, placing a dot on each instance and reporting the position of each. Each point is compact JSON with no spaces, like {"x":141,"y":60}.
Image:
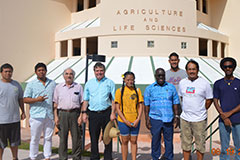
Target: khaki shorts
{"x":196,"y":130}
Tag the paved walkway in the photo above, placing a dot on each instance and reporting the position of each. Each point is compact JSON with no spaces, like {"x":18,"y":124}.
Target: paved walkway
{"x":144,"y":148}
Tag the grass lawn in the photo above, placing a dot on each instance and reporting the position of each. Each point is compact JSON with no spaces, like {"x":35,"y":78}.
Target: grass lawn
{"x":25,"y":146}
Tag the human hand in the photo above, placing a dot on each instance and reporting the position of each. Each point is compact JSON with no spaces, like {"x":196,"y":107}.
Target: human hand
{"x":112,"y":116}
{"x":23,"y":116}
{"x":225,"y":115}
{"x":148,"y":124}
{"x":84,"y":117}
{"x":129,"y":124}
{"x":80,"y":120}
{"x":41,"y":98}
{"x":176,"y":122}
{"x":227,"y":122}
{"x":135,"y":123}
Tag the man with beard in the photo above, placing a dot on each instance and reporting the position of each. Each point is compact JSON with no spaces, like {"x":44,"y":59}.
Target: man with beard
{"x":196,"y":95}
{"x":161,"y":111}
{"x":227,"y":92}
{"x":39,"y":94}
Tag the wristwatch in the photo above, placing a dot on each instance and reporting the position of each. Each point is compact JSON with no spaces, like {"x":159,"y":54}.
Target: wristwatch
{"x":177,"y":116}
{"x":84,"y":111}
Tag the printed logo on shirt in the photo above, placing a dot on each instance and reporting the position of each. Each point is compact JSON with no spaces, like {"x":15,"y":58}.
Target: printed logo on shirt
{"x":133,"y":96}
{"x":174,"y":81}
{"x":190,"y":90}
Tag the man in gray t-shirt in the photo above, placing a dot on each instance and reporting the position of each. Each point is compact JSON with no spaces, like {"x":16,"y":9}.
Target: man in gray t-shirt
{"x":174,"y":75}
{"x":11,"y":98}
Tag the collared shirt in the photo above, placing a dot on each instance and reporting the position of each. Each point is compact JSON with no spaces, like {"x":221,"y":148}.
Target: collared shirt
{"x":161,"y":100}
{"x":35,"y":89}
{"x":100,"y":94}
{"x":68,"y":97}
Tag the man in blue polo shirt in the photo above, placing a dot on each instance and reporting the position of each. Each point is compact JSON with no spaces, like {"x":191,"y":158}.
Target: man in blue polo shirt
{"x":99,"y":94}
{"x":161,"y":110}
{"x":227,"y":92}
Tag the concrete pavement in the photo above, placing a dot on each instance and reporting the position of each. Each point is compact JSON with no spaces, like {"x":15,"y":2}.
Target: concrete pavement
{"x":144,"y":148}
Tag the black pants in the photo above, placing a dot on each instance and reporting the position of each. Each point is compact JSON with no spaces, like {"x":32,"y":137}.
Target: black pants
{"x":68,"y":122}
{"x":98,"y":121}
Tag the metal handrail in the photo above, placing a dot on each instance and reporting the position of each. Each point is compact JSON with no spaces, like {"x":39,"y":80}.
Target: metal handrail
{"x":210,"y":135}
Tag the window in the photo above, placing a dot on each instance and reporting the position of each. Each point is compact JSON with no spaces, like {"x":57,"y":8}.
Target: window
{"x":150,"y":44}
{"x":79,"y":5}
{"x":76,"y":47}
{"x":203,"y":47}
{"x":92,"y":45}
{"x":197,"y":4}
{"x":64,"y":48}
{"x":183,"y":45}
{"x":204,"y":6}
{"x":114,"y":44}
{"x":92,"y":3}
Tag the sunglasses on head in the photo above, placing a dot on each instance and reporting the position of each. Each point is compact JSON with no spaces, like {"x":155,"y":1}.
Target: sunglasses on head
{"x":229,"y":66}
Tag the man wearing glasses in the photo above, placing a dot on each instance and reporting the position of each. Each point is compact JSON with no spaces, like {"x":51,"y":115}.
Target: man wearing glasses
{"x":227,"y":92}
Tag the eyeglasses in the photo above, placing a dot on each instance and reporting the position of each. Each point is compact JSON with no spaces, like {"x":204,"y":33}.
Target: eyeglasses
{"x":229,"y":66}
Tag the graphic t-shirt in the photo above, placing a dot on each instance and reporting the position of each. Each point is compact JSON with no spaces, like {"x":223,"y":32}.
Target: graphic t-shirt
{"x":194,"y":95}
{"x":129,"y":103}
{"x":175,"y":77}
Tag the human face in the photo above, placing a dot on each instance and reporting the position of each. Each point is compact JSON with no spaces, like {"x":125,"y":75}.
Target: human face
{"x":68,"y":75}
{"x":41,"y":73}
{"x":160,"y":77}
{"x":174,"y":61}
{"x":129,"y":80}
{"x":192,"y":71}
{"x":228,"y":68}
{"x":99,"y":73}
{"x":7,"y":74}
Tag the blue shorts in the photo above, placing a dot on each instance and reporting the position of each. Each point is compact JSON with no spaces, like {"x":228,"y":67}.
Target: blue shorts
{"x":126,"y":130}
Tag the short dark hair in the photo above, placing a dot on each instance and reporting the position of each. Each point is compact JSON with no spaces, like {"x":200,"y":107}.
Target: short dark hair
{"x":228,"y":59}
{"x":39,"y":65}
{"x":159,"y":69}
{"x":173,"y":54}
{"x":100,"y":65}
{"x":6,"y":65}
{"x":194,"y":62}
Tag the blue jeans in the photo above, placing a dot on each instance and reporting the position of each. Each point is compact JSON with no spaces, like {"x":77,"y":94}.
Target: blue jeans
{"x":157,"y":126}
{"x":225,"y":132}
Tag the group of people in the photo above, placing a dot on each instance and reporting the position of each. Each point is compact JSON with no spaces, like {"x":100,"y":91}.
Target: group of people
{"x":178,"y":98}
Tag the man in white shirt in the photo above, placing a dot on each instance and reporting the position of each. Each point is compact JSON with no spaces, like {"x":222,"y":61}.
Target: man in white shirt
{"x":196,"y":94}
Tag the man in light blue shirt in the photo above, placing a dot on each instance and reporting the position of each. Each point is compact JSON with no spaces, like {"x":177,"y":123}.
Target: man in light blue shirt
{"x":161,"y":110}
{"x":99,"y":94}
{"x":39,"y":94}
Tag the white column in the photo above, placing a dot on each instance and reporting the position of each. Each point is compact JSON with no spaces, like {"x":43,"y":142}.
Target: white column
{"x":83,"y":46}
{"x":70,"y":48}
{"x":219,"y":49}
{"x":210,"y":48}
{"x":58,"y":49}
{"x":85,"y":4}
